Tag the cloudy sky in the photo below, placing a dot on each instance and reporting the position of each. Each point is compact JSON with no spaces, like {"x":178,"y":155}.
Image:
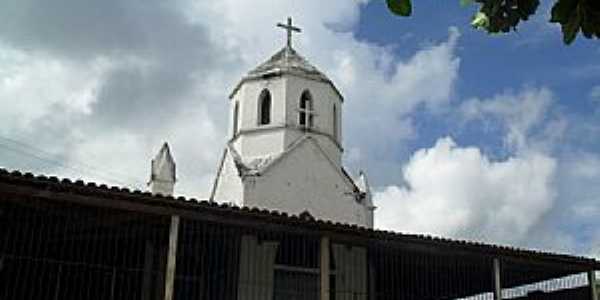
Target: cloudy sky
{"x":493,"y":138}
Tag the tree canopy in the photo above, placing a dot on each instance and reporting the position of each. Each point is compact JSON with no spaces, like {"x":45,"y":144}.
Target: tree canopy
{"x":502,"y":16}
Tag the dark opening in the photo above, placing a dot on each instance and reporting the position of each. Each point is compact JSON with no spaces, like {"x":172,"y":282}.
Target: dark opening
{"x":305,"y":117}
{"x":265,"y":108}
{"x":235,"y":118}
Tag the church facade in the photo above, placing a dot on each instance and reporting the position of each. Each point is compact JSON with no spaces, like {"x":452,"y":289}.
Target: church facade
{"x":285,"y":147}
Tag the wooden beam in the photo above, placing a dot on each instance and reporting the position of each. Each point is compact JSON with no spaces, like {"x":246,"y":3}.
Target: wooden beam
{"x":593,"y":284}
{"x":325,"y":271}
{"x":171,"y":258}
{"x":497,"y":280}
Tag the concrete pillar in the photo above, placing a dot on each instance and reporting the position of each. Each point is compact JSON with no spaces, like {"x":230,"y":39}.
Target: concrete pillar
{"x":593,"y":285}
{"x":497,"y":280}
{"x":171,"y":258}
{"x":325,"y":271}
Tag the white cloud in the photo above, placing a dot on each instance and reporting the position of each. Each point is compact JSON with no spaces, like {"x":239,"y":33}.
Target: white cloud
{"x":382,"y":101}
{"x":459,"y":192}
{"x":86,"y":90}
{"x":33,"y":88}
{"x":580,"y":185}
{"x":518,"y":112}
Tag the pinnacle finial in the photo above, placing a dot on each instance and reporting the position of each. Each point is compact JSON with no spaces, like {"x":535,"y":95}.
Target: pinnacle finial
{"x":162,"y":172}
{"x":289,"y":27}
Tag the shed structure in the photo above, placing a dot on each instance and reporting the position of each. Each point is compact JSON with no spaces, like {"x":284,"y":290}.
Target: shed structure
{"x":61,"y":239}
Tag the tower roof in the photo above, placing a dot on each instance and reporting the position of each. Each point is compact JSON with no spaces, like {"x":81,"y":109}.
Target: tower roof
{"x":286,"y":61}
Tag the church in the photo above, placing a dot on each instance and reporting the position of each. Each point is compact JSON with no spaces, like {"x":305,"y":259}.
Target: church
{"x":284,"y":220}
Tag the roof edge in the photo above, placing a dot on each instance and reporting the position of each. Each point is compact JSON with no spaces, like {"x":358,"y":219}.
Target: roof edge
{"x":81,"y":188}
{"x":281,"y":73}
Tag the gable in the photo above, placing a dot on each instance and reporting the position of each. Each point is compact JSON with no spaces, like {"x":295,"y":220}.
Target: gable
{"x":228,"y":186}
{"x":305,"y":179}
{"x":317,"y":155}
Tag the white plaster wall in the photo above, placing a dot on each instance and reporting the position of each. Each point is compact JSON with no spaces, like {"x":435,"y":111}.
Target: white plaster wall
{"x":259,"y":140}
{"x":292,"y":135}
{"x":229,"y":186}
{"x":332,"y":150}
{"x":162,"y":187}
{"x":248,"y":97}
{"x":305,"y":180}
{"x":324,"y":97}
{"x":260,"y":143}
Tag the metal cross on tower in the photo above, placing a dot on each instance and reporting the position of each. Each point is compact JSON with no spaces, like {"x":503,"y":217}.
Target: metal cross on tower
{"x":289,"y":28}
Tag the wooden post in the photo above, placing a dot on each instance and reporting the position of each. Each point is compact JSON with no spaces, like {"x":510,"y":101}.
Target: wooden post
{"x":113,"y":283}
{"x":592,"y":283}
{"x":497,"y":280}
{"x":171,"y":258}
{"x":148,"y":274}
{"x":58,"y":275}
{"x":325,"y":272}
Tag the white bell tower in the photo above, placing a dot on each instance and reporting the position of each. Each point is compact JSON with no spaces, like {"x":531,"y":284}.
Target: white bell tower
{"x":285,"y":148}
{"x":282,"y":100}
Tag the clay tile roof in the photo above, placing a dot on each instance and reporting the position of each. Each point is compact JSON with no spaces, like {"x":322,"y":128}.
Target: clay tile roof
{"x":52,"y":183}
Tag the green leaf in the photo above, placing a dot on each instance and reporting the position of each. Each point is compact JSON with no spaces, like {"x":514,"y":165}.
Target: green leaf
{"x":562,"y":11}
{"x":587,"y":25}
{"x":504,"y":16}
{"x":571,"y":28}
{"x":400,"y":7}
{"x":480,"y":21}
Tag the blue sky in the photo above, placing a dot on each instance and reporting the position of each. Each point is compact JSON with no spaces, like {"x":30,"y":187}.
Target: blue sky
{"x":491,"y":63}
{"x":462,"y":134}
{"x":533,"y":57}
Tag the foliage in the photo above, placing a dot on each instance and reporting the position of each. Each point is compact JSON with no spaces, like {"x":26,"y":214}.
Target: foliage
{"x":575,"y":16}
{"x":502,"y":16}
